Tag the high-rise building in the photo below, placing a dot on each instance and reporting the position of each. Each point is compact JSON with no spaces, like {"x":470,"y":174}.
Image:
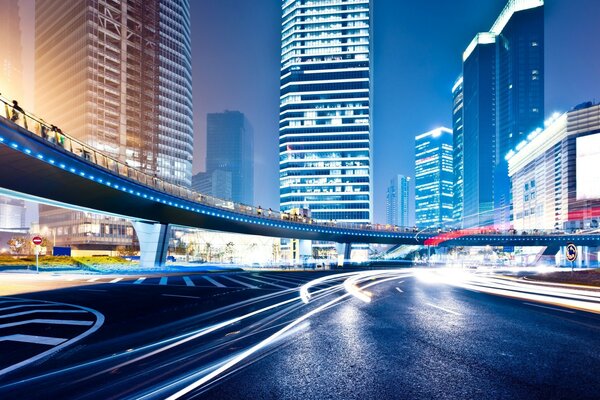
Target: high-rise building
{"x":12,"y":211}
{"x":325,"y":122}
{"x":229,"y":158}
{"x":503,"y":83}
{"x":459,"y":155}
{"x":555,"y":173}
{"x":119,"y":78}
{"x":396,"y":205}
{"x":434,"y":178}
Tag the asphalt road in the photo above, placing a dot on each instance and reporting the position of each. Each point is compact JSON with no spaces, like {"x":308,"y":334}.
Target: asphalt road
{"x":249,"y":336}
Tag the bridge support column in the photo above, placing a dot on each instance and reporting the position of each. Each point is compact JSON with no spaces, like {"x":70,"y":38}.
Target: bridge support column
{"x":344,"y":251}
{"x":154,"y":243}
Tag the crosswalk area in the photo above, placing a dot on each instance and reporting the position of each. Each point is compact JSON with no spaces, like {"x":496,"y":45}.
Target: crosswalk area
{"x":33,"y":329}
{"x":267,"y":281}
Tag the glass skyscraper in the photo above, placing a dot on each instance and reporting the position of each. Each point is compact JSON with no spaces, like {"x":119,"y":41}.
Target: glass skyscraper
{"x":434,"y":178}
{"x":396,"y":205}
{"x":459,"y":155}
{"x":229,"y":158}
{"x":503,"y":80}
{"x":119,"y":78}
{"x":325,"y":109}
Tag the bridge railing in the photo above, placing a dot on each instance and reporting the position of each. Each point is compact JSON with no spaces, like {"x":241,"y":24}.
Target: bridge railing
{"x":63,"y":141}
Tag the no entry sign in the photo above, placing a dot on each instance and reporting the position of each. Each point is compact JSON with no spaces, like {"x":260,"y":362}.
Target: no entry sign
{"x":37,"y":240}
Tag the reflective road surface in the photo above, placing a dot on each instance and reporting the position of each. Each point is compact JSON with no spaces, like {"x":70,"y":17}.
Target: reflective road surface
{"x":393,"y":334}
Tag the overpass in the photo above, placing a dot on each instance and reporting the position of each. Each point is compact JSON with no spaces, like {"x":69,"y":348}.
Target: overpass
{"x":43,"y":164}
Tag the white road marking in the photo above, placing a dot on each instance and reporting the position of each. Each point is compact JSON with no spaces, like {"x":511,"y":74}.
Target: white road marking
{"x":42,"y":311}
{"x":93,"y":290}
{"x":51,"y":341}
{"x":550,"y":308}
{"x":188,"y":281}
{"x":211,"y":280}
{"x":240,"y":282}
{"x":278,"y":279}
{"x":163,"y":280}
{"x":400,"y":281}
{"x":116,"y":280}
{"x":93,"y":279}
{"x":267,"y":283}
{"x":96,"y":325}
{"x":399,"y":290}
{"x":139,"y":280}
{"x":28,"y":305}
{"x":443,"y":309}
{"x":48,"y":321}
{"x":180,"y":295}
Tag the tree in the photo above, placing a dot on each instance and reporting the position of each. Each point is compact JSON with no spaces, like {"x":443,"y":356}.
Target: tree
{"x":127,"y":251}
{"x":18,"y":244}
{"x":229,"y":251}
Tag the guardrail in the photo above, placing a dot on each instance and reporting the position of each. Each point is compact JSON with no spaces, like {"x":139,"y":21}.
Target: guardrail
{"x":64,"y":142}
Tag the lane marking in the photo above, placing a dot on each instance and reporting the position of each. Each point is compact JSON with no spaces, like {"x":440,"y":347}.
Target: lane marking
{"x":188,"y":281}
{"x":400,"y":281}
{"x":550,"y":308}
{"x":240,"y":282}
{"x":50,"y":341}
{"x":211,"y":280}
{"x":116,"y":280}
{"x":42,"y":311}
{"x":278,"y":280}
{"x":399,"y":290}
{"x":96,"y":325}
{"x":443,"y":309}
{"x":163,"y":280}
{"x":180,"y":295}
{"x":267,"y":283}
{"x":48,"y":321}
{"x":139,"y":280}
{"x":27,"y":305}
{"x":93,"y":280}
{"x":93,"y":290}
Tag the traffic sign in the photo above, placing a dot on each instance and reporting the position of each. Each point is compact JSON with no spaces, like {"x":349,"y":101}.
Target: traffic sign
{"x":571,"y":252}
{"x":37,"y":240}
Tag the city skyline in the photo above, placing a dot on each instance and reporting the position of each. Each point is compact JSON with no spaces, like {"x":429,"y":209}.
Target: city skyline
{"x":261,"y":59}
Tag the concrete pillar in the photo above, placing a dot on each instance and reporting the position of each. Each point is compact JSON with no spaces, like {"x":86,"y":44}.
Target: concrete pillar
{"x":344,"y":251}
{"x":154,"y":243}
{"x":301,"y":250}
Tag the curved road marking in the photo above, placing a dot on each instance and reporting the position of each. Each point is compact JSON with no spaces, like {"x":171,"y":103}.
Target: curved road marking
{"x":47,"y":353}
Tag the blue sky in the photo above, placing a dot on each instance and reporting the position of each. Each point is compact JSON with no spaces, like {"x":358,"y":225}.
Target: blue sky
{"x":418,"y":48}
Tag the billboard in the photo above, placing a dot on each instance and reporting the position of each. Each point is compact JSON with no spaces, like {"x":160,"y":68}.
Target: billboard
{"x":588,"y":167}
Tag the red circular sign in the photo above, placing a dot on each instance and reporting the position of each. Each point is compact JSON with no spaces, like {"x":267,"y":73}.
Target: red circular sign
{"x":37,"y":240}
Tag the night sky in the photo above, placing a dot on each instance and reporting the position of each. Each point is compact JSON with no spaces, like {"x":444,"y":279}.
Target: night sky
{"x":418,"y":50}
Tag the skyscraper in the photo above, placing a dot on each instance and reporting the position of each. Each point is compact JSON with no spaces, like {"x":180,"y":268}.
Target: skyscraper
{"x":396,"y":205}
{"x":325,"y":109}
{"x":434,"y":178}
{"x":12,"y":211}
{"x":503,"y":78}
{"x":119,"y":78}
{"x":229,"y":158}
{"x":459,"y":155}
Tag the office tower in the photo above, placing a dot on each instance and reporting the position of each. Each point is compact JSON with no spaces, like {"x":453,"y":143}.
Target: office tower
{"x":434,"y":178}
{"x":396,"y":205}
{"x":119,"y":78}
{"x":12,"y":211}
{"x":503,"y":81}
{"x":229,"y":158}
{"x":459,"y":161}
{"x":325,"y":109}
{"x":555,"y":173}
{"x":11,"y":67}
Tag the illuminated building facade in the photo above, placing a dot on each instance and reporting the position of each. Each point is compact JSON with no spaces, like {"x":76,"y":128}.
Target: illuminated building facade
{"x":555,"y":173}
{"x":396,"y":205}
{"x":458,"y":145}
{"x":503,"y":83}
{"x":434,"y":178}
{"x":325,"y":109}
{"x":119,"y":78}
